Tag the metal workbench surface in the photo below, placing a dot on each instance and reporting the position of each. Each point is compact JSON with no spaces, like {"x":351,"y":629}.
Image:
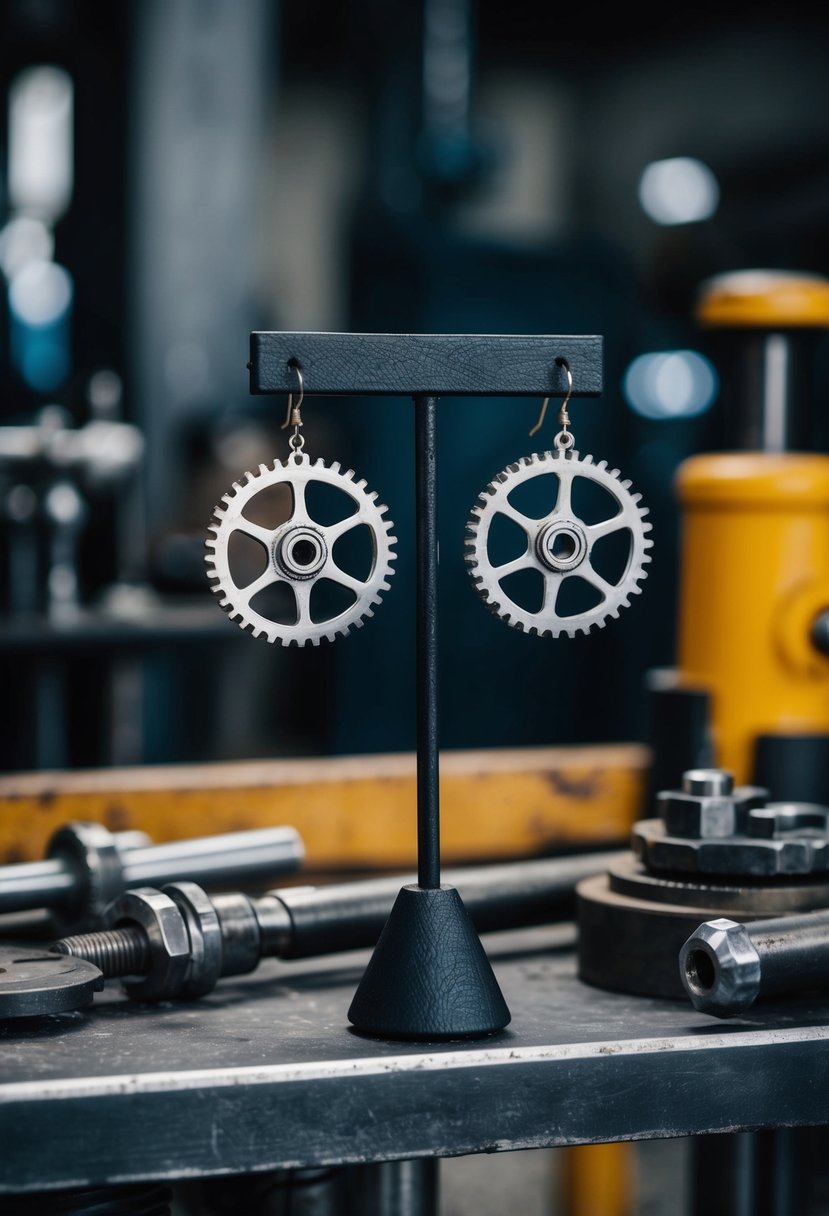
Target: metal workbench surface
{"x":266,"y":1073}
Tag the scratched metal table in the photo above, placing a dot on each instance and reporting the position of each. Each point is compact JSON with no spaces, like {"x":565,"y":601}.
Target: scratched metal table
{"x":265,"y":1073}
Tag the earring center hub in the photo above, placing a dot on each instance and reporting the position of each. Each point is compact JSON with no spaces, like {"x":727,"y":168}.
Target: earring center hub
{"x":299,"y":552}
{"x":561,"y":545}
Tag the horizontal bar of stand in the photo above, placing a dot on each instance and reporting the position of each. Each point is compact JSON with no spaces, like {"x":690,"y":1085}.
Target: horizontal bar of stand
{"x":478,"y":365}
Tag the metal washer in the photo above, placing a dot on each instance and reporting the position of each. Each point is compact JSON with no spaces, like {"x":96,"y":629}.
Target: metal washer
{"x":34,"y":983}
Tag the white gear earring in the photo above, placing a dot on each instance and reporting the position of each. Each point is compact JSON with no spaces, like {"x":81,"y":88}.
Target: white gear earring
{"x":559,"y":546}
{"x":299,"y":551}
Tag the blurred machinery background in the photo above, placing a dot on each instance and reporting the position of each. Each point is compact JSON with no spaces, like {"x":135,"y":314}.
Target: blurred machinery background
{"x":177,"y":173}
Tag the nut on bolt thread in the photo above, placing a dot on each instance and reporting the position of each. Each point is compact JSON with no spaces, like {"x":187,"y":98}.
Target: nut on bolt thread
{"x":116,"y":952}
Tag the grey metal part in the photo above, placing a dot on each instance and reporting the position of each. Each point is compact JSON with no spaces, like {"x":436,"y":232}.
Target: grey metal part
{"x":166,"y":929}
{"x":241,"y":934}
{"x":739,"y":895}
{"x":736,"y":854}
{"x":87,"y":867}
{"x":706,"y":816}
{"x":720,"y":968}
{"x":34,"y":983}
{"x":228,"y":858}
{"x":265,"y":1074}
{"x":725,"y":966}
{"x":788,"y":817}
{"x":709,"y":827}
{"x":205,"y":936}
{"x":707,"y":781}
{"x":632,"y":924}
{"x":90,"y":853}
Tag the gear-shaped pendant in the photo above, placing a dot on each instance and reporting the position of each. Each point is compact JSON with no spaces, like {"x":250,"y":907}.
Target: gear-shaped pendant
{"x":300,"y":552}
{"x":559,"y":545}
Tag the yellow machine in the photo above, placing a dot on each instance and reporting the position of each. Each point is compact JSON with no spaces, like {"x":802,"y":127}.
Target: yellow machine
{"x":754,"y":583}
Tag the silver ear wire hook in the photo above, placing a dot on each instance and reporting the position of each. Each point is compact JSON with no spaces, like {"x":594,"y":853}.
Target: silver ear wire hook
{"x":564,"y":439}
{"x":294,"y":415}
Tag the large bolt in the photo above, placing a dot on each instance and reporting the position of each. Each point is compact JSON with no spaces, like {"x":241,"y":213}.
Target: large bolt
{"x":720,"y":968}
{"x":229,"y":934}
{"x":725,"y":967}
{"x":87,"y":867}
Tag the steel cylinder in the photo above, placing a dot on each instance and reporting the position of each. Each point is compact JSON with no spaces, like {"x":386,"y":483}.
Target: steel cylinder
{"x":754,"y":578}
{"x":725,"y":966}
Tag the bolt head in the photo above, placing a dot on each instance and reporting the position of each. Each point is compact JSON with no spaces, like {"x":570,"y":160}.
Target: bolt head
{"x":697,"y":816}
{"x":707,"y":781}
{"x":720,"y":968}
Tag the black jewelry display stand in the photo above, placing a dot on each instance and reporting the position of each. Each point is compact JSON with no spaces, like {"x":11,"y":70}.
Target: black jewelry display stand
{"x":429,"y":977}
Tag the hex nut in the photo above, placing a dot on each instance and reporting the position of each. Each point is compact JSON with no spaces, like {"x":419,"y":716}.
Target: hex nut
{"x":697,"y":816}
{"x":720,"y":968}
{"x":205,"y":934}
{"x":166,"y":930}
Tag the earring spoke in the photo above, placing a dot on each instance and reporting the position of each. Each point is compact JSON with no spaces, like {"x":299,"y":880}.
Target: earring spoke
{"x":300,"y":511}
{"x":595,"y":579}
{"x":302,"y":595}
{"x":333,"y":532}
{"x":524,"y":522}
{"x":606,"y":527}
{"x":259,"y":584}
{"x":563,"y":506}
{"x":552,"y":582}
{"x":332,"y":570}
{"x":263,"y":535}
{"x":523,"y":562}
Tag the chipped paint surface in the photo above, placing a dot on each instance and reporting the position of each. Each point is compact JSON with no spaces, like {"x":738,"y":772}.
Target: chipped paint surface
{"x":352,"y":811}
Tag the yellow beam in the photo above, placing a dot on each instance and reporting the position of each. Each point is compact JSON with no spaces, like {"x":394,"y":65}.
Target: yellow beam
{"x":352,"y":812}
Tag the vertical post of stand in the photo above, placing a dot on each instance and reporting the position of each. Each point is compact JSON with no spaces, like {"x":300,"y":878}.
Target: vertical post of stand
{"x":429,"y":976}
{"x":428,"y":763}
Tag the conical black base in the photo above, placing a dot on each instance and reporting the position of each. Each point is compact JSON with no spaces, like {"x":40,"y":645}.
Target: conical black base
{"x":429,"y":977}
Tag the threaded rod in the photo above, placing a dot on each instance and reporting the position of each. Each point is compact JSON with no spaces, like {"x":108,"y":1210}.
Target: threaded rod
{"x":124,"y":951}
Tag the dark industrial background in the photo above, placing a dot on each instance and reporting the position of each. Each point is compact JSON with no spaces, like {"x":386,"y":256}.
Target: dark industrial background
{"x":233,"y":165}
